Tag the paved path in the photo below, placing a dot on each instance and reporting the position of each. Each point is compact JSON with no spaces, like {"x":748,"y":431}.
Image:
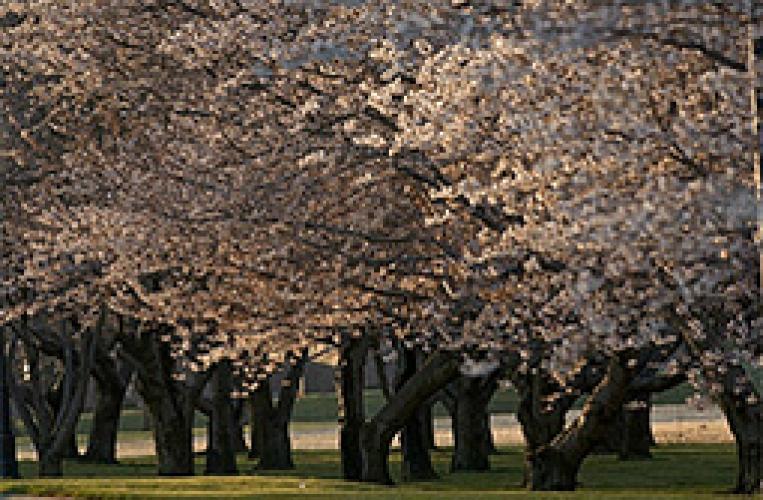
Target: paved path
{"x":670,"y":424}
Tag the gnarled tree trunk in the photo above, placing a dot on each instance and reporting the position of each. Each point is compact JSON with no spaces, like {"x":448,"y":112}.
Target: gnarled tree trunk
{"x":376,"y":435}
{"x":554,"y":466}
{"x":540,"y":423}
{"x":171,"y":402}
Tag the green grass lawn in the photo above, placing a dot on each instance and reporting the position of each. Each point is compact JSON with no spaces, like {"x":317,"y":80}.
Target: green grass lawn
{"x":676,"y":471}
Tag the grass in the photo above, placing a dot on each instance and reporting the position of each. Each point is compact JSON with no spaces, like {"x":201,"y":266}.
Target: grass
{"x":676,"y":472}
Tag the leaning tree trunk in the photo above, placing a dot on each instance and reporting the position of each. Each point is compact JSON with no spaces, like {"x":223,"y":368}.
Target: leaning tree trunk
{"x":376,"y":435}
{"x":221,"y":454}
{"x":471,"y":423}
{"x":555,"y":465}
{"x":414,"y":442}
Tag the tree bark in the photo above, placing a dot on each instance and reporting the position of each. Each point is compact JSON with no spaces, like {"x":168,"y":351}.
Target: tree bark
{"x":111,"y":386}
{"x":71,"y":447}
{"x":102,"y":443}
{"x":56,"y":401}
{"x":745,"y":419}
{"x":221,"y":454}
{"x":539,"y":424}
{"x":271,"y":422}
{"x":554,"y":466}
{"x":171,"y":402}
{"x":50,"y":465}
{"x":630,"y":435}
{"x":239,"y":443}
{"x":350,"y":383}
{"x":254,"y":446}
{"x":173,"y":435}
{"x":271,"y":434}
{"x":428,"y":423}
{"x":417,"y":464}
{"x":440,"y":369}
{"x":471,"y":423}
{"x":738,"y":397}
{"x":51,"y":418}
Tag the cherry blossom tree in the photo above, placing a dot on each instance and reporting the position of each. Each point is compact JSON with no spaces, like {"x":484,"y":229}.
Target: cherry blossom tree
{"x":243,"y":180}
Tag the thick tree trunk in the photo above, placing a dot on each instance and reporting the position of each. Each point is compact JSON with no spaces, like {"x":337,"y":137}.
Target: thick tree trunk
{"x":171,"y":403}
{"x":350,"y":381}
{"x":471,"y":423}
{"x":173,"y":435}
{"x":749,"y":440}
{"x":554,"y":466}
{"x":417,"y":464}
{"x":271,"y":434}
{"x":111,"y":386}
{"x":51,"y":418}
{"x":221,"y":455}
{"x":541,"y":415}
{"x":630,"y":435}
{"x":538,"y":430}
{"x":540,"y":425}
{"x":375,"y":444}
{"x":271,"y":423}
{"x":376,"y":435}
{"x":739,"y":398}
{"x":50,"y":465}
{"x":276,"y":447}
{"x":745,"y":420}
{"x":636,"y":434}
{"x":71,"y":447}
{"x":102,"y":443}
